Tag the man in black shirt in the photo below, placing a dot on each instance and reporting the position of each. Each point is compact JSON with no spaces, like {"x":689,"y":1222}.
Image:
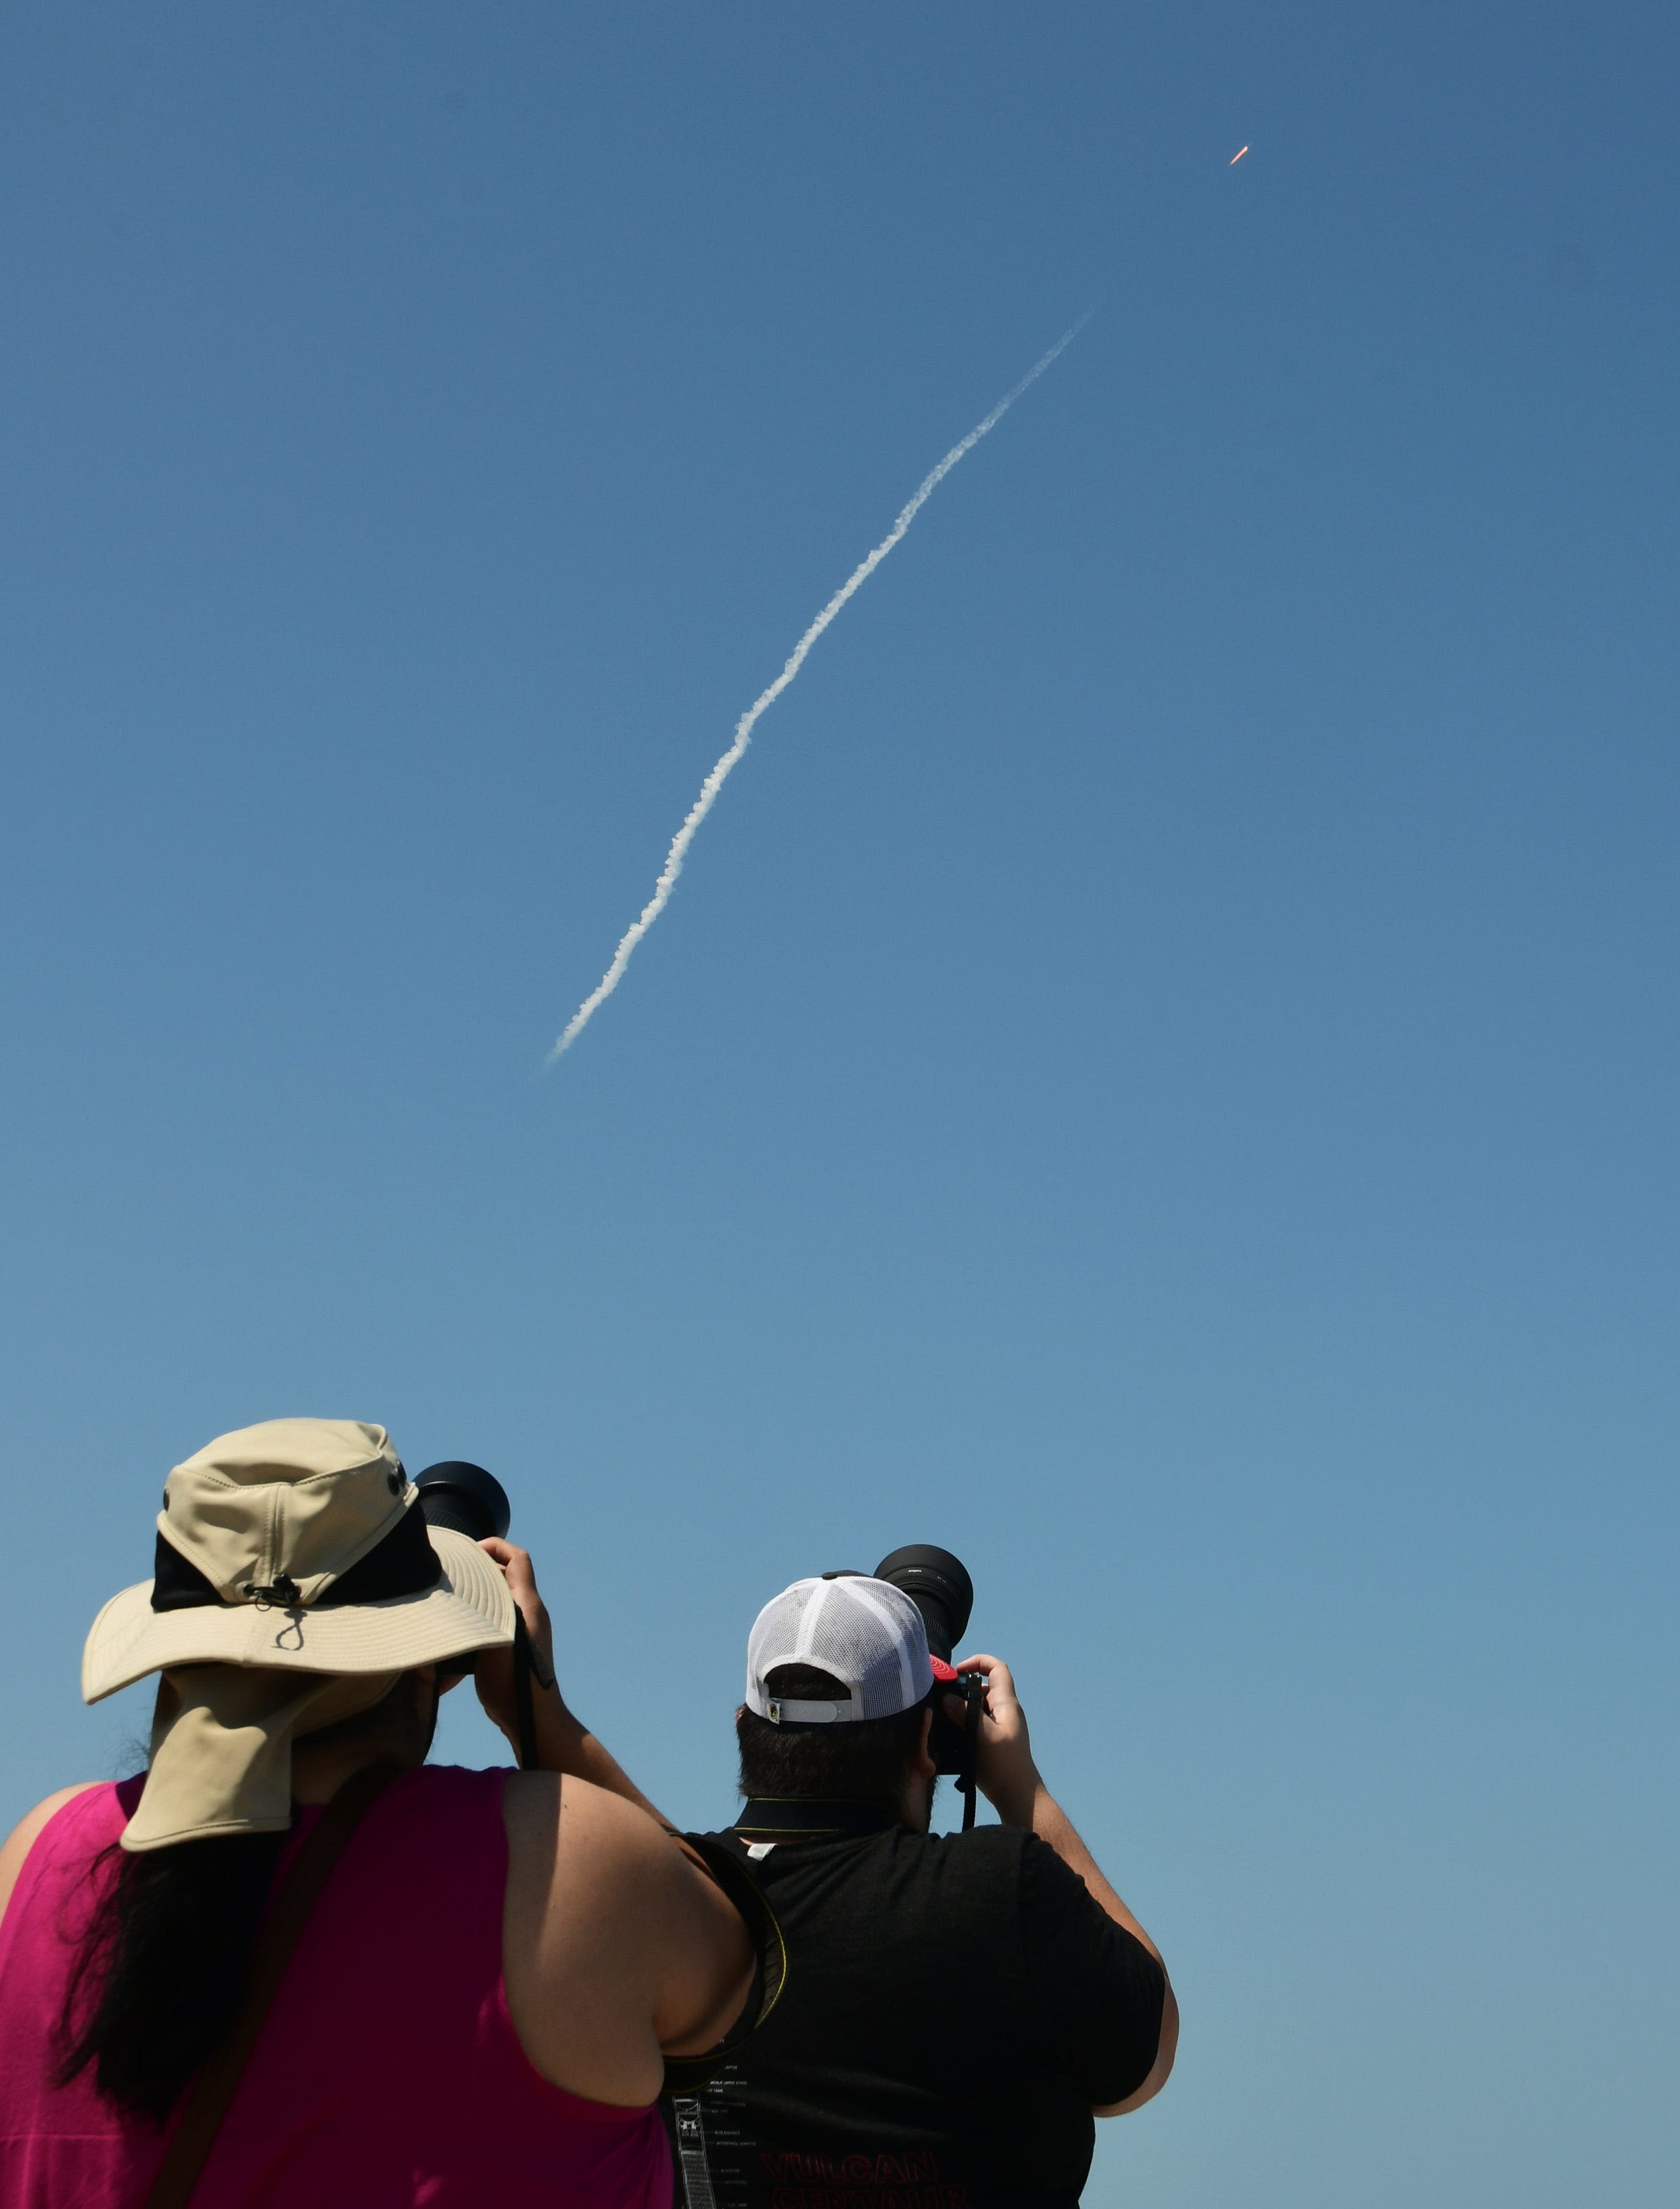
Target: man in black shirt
{"x":957,"y":2008}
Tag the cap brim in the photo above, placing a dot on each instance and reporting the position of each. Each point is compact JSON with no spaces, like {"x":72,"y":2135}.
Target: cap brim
{"x":469,"y":1608}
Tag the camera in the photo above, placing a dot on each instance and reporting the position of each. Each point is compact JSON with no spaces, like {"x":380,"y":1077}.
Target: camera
{"x":469,"y":1500}
{"x":938,"y":1585}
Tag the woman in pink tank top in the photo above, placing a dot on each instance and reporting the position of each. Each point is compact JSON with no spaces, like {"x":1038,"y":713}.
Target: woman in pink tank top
{"x":476,"y":2008}
{"x":387,"y":2072}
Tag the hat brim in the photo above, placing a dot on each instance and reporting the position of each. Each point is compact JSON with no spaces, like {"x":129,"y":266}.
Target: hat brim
{"x":469,"y":1608}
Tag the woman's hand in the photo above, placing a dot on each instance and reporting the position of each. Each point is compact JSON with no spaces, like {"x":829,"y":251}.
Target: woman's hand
{"x":493,"y":1672}
{"x":564,"y":1743}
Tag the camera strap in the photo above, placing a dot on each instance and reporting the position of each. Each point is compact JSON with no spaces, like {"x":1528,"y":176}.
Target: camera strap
{"x":524,"y":1666}
{"x":684,"y":2073}
{"x":974,"y":1709}
{"x":808,"y":1818}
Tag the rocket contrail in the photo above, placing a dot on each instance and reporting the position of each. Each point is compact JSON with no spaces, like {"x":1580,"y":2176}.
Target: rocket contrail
{"x":796,"y":659}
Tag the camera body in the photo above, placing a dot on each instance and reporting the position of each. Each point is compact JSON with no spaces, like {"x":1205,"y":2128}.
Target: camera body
{"x":938,"y":1585}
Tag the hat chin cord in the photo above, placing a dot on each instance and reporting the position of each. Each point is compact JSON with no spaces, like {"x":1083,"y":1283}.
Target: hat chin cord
{"x":281,"y":1594}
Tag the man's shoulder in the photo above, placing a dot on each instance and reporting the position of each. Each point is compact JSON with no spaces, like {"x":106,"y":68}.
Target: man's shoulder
{"x":994,"y":1850}
{"x":1006,"y":1843}
{"x":1002,"y":1840}
{"x":986,"y":1857}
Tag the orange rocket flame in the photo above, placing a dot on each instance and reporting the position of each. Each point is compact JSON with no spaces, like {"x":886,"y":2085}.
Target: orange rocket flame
{"x":1236,"y":158}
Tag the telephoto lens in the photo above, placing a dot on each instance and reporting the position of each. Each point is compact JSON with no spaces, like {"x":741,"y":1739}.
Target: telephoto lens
{"x":938,"y":1585}
{"x":465,"y":1498}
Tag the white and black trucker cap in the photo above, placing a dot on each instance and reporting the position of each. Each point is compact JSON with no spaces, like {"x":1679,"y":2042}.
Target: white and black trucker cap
{"x":864,"y":1632}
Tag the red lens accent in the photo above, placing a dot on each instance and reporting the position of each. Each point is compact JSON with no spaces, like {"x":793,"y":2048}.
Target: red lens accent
{"x":941,"y":1670}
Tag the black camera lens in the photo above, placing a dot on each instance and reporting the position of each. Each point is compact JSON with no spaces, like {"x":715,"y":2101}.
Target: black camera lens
{"x":938,"y":1585}
{"x":464,"y":1498}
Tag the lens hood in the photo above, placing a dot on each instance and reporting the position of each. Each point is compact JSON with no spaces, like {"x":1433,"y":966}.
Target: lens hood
{"x":938,"y":1585}
{"x":464,"y":1498}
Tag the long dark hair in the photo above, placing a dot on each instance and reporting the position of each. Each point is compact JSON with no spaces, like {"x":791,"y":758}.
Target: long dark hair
{"x":163,"y":1965}
{"x":162,"y":1968}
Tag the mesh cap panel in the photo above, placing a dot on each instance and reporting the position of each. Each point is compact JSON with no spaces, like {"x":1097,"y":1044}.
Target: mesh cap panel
{"x":869,"y":1636}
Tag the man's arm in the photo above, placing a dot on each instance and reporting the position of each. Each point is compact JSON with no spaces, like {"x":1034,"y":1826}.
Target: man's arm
{"x":564,"y":1743}
{"x":1012,"y":1784}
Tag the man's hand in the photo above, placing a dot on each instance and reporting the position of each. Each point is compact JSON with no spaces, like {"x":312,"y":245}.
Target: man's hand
{"x":1003,"y":1752}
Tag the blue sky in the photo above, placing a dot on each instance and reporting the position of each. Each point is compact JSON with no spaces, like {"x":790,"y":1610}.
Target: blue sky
{"x":1161,"y":1073}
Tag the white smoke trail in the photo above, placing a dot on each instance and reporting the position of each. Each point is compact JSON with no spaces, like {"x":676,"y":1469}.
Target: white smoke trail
{"x":796,"y":659}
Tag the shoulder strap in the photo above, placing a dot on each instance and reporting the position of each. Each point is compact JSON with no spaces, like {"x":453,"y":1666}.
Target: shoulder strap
{"x":213,"y":2089}
{"x":683,"y":2074}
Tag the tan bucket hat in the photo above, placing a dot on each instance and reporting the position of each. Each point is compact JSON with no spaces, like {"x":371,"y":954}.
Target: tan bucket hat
{"x":298,"y":1545}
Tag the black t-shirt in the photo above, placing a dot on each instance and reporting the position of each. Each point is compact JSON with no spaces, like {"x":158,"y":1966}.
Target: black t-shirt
{"x":954,"y":2006}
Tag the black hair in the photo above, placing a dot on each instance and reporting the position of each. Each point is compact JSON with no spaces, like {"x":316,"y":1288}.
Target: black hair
{"x":857,"y":1761}
{"x":161,"y":1970}
{"x":163,"y":1966}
